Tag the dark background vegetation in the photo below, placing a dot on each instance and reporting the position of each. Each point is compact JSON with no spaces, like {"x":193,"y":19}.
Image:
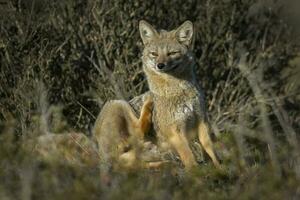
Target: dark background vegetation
{"x":60,"y":61}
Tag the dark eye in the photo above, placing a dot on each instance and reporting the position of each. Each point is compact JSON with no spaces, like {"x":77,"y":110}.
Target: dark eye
{"x":173,"y":53}
{"x":153,"y":54}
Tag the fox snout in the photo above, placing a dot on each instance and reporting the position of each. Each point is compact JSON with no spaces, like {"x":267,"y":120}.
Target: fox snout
{"x":167,"y":66}
{"x":161,"y":61}
{"x":160,"y":66}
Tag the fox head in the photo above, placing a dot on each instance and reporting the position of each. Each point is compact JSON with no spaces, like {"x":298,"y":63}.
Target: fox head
{"x":167,"y":51}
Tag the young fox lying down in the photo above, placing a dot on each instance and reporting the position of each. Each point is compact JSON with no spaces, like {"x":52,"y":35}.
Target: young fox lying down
{"x":120,"y":135}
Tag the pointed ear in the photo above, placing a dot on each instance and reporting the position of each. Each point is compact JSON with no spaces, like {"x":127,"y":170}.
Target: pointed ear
{"x":184,"y":33}
{"x":147,"y":31}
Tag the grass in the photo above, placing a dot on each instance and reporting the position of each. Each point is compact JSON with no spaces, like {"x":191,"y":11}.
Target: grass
{"x":61,"y":61}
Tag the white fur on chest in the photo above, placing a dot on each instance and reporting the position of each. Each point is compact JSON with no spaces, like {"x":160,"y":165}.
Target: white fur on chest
{"x":184,"y":110}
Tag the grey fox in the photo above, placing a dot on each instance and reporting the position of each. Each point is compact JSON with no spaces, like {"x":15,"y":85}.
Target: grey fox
{"x":179,"y":114}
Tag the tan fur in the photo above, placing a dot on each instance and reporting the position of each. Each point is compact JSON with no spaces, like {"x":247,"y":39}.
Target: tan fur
{"x":179,"y":114}
{"x":120,"y":133}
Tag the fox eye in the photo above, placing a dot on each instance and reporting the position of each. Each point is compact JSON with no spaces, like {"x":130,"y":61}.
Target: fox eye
{"x":173,"y":53}
{"x":153,"y":54}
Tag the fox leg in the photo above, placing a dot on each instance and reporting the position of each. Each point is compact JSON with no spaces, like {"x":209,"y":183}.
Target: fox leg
{"x":142,"y":126}
{"x":145,"y":119}
{"x":138,"y":128}
{"x":205,"y":140}
{"x":116,"y":124}
{"x":180,"y":143}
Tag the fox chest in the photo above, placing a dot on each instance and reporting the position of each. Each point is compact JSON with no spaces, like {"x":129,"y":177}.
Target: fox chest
{"x":178,"y":110}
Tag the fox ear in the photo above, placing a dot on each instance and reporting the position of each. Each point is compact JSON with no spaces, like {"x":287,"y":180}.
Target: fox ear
{"x":147,"y":31}
{"x":184,"y":33}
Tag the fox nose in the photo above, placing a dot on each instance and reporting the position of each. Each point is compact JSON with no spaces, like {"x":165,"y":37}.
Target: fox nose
{"x":160,"y":65}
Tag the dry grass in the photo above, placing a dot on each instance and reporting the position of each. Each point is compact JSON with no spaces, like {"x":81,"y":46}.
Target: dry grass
{"x":60,"y":61}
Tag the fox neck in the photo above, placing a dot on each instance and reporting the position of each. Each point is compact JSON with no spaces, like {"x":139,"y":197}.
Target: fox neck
{"x":166,"y":85}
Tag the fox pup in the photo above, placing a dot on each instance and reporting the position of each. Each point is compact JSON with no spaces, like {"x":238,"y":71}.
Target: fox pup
{"x":179,"y":114}
{"x":119,"y":134}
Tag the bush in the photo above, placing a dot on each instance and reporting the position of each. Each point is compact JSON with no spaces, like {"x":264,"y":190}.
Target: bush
{"x":61,"y":61}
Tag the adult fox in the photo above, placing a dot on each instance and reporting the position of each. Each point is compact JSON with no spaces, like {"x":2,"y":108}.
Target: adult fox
{"x":179,"y":114}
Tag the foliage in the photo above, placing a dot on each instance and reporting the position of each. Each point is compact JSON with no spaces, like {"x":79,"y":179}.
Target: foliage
{"x":60,"y":61}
